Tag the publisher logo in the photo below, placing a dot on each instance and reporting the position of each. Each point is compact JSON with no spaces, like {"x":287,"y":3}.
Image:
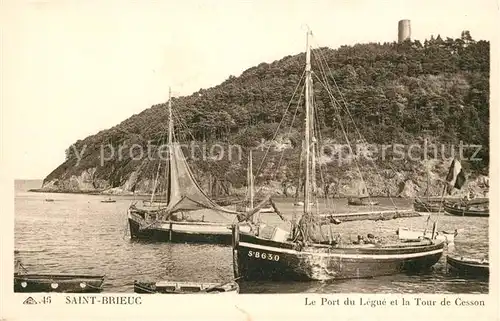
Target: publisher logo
{"x":29,"y":300}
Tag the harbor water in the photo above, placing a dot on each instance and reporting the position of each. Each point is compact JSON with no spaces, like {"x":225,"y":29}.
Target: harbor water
{"x":77,"y":233}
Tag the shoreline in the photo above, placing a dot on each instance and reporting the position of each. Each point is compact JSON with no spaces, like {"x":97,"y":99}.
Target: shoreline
{"x":102,"y":193}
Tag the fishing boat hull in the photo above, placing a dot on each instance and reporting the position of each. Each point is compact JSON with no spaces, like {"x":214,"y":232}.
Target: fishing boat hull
{"x":255,"y":259}
{"x":360,"y":202}
{"x":467,"y":267}
{"x":180,"y":232}
{"x":172,"y":287}
{"x":461,"y":211}
{"x":427,"y":206}
{"x":57,"y":283}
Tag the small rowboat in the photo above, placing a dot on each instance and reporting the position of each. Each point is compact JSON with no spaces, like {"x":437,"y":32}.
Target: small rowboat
{"x":109,"y":200}
{"x":174,"y":287}
{"x":64,"y":283}
{"x":415,"y":235}
{"x":468,"y":266}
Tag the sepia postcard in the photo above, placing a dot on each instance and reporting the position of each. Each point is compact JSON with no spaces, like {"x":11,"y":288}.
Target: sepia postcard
{"x":269,"y":160}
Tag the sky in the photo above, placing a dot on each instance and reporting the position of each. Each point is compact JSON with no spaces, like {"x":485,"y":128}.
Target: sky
{"x":72,"y":68}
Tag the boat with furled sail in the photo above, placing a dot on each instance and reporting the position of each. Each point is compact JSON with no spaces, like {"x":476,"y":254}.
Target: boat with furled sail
{"x":427,"y":203}
{"x":454,"y":179}
{"x":362,"y":199}
{"x":305,"y":253}
{"x":466,"y":207}
{"x":188,"y":215}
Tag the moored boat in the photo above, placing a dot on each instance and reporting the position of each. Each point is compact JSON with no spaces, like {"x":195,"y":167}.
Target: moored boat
{"x":66,"y":283}
{"x":144,"y":225}
{"x":305,"y":253}
{"x":360,"y":201}
{"x":468,"y":267}
{"x":413,"y":235}
{"x":427,"y":205}
{"x":189,"y":214}
{"x":260,"y":258}
{"x":109,"y":200}
{"x":175,"y":287}
{"x":458,"y":209}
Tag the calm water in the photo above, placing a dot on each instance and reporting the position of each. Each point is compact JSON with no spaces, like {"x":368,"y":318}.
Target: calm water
{"x":79,"y":234}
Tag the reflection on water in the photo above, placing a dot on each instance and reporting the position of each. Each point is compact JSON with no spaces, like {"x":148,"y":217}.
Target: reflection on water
{"x":79,"y":234}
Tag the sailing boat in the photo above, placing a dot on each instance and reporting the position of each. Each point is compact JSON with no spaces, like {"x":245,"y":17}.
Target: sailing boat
{"x":456,"y":179}
{"x":362,"y":199}
{"x":189,"y":214}
{"x":304,"y":255}
{"x":436,"y":205}
{"x":428,"y":204}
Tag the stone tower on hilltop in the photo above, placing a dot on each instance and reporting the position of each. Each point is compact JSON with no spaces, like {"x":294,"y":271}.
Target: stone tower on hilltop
{"x":404,"y":30}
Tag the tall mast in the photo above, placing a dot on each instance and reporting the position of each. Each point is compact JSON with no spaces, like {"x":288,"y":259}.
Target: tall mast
{"x":170,"y":120}
{"x":307,"y":189}
{"x":313,"y":145}
{"x":250,"y":180}
{"x":170,"y":137}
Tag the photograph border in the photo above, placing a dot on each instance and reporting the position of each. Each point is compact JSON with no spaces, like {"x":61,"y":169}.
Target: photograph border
{"x":247,"y":306}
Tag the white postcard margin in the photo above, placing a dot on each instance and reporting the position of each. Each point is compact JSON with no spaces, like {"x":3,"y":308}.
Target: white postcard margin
{"x":252,"y":306}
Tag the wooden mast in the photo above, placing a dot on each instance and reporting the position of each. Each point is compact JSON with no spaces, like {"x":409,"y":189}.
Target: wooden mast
{"x":170,"y":147}
{"x":170,"y":120}
{"x":250,"y":179}
{"x":307,"y":187}
{"x":313,"y":149}
{"x":170,"y":128}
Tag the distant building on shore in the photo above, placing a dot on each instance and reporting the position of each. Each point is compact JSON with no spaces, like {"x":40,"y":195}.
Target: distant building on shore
{"x":404,"y":30}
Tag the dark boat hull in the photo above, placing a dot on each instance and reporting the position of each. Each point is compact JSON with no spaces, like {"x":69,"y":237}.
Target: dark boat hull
{"x":170,"y":235}
{"x":467,"y":268}
{"x":360,"y":202}
{"x":57,"y":283}
{"x":179,"y":232}
{"x":427,"y":206}
{"x":465,"y":212}
{"x":258,"y":259}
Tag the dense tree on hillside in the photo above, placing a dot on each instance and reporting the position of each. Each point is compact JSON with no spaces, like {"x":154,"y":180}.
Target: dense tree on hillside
{"x":395,"y":93}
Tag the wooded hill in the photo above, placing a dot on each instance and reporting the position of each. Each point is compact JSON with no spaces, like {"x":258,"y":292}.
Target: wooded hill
{"x":397,"y":93}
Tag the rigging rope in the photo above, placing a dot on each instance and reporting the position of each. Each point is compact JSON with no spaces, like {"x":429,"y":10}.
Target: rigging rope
{"x":279,"y":125}
{"x":289,"y":131}
{"x":363,"y":140}
{"x":344,"y":132}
